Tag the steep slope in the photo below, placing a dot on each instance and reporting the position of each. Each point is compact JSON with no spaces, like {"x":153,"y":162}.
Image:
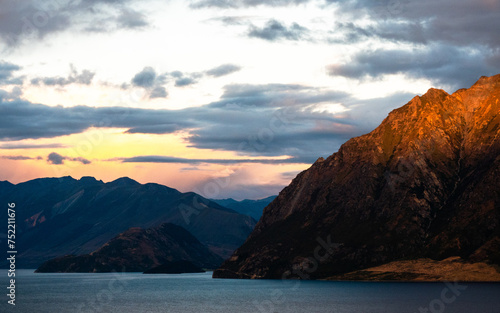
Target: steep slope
{"x":253,"y":208}
{"x":59,"y":216}
{"x":425,"y":183}
{"x":138,"y":250}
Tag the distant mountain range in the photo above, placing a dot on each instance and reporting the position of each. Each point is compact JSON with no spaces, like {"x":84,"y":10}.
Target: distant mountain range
{"x":424,"y":184}
{"x":62,"y":216}
{"x":253,"y":208}
{"x":139,"y":250}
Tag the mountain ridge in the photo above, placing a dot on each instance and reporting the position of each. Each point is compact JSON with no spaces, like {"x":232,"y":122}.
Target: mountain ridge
{"x":253,"y":208}
{"x":60,"y":216}
{"x":138,"y":250}
{"x":422,"y":184}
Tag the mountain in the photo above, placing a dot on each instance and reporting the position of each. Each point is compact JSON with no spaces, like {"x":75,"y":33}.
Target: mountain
{"x":253,"y":208}
{"x":61,"y":216}
{"x":424,"y":184}
{"x":139,"y":250}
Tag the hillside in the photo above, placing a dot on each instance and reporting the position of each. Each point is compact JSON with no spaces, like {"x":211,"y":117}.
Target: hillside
{"x":424,"y":184}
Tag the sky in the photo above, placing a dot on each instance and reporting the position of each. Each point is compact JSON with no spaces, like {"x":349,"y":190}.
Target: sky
{"x":224,"y":98}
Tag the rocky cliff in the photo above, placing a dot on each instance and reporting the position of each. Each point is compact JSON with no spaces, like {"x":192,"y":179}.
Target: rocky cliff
{"x":424,"y":184}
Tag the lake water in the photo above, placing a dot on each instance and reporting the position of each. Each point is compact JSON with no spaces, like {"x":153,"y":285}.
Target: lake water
{"x":135,"y":292}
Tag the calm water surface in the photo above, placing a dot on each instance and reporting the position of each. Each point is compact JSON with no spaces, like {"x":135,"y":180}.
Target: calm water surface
{"x":135,"y":292}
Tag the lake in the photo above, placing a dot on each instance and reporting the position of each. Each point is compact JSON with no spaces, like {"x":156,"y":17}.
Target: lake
{"x":135,"y":292}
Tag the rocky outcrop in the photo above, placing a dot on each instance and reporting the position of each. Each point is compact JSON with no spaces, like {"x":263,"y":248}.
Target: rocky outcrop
{"x":424,"y":184}
{"x":138,"y":250}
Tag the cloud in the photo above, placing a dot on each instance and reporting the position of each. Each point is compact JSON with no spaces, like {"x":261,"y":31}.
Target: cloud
{"x":274,"y":30}
{"x":185,"y":81}
{"x":31,"y":146}
{"x":275,"y":95}
{"x":237,"y":183}
{"x":269,"y":120}
{"x":83,"y":78}
{"x":17,"y":120}
{"x":31,"y":19}
{"x":81,"y":160}
{"x":169,"y":159}
{"x":158,"y":92}
{"x":15,"y":93}
{"x":243,"y":3}
{"x":231,"y":20}
{"x":57,"y":159}
{"x":145,"y":78}
{"x":457,"y":22}
{"x":223,"y":70}
{"x":151,"y":81}
{"x":154,"y":83}
{"x":7,"y":73}
{"x":462,"y":35}
{"x":132,"y":19}
{"x":444,"y":65}
{"x":17,"y":157}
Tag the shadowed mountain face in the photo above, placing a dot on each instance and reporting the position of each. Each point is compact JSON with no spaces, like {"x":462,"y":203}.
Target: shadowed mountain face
{"x":425,"y":183}
{"x":60,"y":216}
{"x":138,"y":250}
{"x":253,"y":208}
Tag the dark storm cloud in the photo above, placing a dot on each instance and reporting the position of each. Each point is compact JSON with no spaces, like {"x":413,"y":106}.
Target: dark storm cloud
{"x":83,"y":78}
{"x":445,"y":65}
{"x":243,"y":3}
{"x":274,"y":30}
{"x":57,"y":159}
{"x":37,"y":19}
{"x":222,"y":70}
